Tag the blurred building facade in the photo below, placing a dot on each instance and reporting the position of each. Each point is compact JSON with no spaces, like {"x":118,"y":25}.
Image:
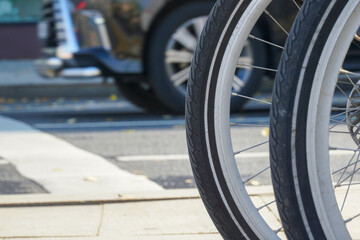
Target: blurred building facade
{"x":18,"y":29}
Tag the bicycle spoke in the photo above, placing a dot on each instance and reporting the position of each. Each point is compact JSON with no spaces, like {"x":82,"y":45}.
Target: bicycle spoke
{"x":252,"y":147}
{"x":340,"y":132}
{"x":297,"y":5}
{"x":276,"y":22}
{"x":245,"y":65}
{"x":255,"y":175}
{"x":347,"y":166}
{"x":339,"y":122}
{"x":350,"y":219}
{"x":342,"y":109}
{"x":259,"y":208}
{"x":347,"y":184}
{"x":342,"y":82}
{"x":352,"y":177}
{"x":341,"y":183}
{"x":348,"y":176}
{"x":342,"y":91}
{"x":247,"y":125}
{"x":250,"y":98}
{"x":355,"y":86}
{"x":357,"y":38}
{"x":338,"y":115}
{"x":344,"y":180}
{"x":267,"y":42}
{"x":342,"y":122}
{"x":344,"y":149}
{"x":339,"y":170}
{"x":343,"y":71}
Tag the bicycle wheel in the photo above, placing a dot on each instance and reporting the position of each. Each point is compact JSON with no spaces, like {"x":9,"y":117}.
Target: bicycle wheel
{"x":315,"y":123}
{"x":219,"y":158}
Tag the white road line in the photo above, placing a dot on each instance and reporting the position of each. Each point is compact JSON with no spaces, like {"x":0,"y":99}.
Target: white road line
{"x":172,"y":157}
{"x":185,"y":157}
{"x":152,"y":158}
{"x":61,"y":167}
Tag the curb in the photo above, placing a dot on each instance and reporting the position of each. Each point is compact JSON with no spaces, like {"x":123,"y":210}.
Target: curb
{"x":26,"y":200}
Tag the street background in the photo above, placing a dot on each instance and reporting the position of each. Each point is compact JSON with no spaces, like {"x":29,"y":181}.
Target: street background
{"x":92,"y":116}
{"x":66,"y":143}
{"x":78,"y":161}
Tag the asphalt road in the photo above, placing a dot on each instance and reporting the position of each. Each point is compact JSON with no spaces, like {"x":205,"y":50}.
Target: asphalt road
{"x":140,"y":143}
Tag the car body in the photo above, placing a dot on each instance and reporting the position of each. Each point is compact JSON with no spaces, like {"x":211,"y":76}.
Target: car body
{"x":131,"y":23}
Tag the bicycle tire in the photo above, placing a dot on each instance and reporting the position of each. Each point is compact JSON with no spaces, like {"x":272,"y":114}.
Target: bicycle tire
{"x":234,"y":218}
{"x":297,"y":102}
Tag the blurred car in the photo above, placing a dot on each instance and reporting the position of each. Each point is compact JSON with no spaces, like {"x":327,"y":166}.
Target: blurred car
{"x":147,"y":46}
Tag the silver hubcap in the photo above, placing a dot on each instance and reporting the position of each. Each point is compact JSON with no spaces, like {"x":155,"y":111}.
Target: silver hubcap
{"x":179,"y":54}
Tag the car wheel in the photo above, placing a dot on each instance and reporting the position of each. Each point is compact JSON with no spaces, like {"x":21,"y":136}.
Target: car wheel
{"x":171,"y":51}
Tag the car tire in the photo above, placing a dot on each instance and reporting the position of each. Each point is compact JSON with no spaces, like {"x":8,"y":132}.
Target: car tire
{"x":141,"y":96}
{"x":158,"y":70}
{"x":172,"y":96}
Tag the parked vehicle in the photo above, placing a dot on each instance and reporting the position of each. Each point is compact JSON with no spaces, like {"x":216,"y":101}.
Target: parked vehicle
{"x":147,"y":46}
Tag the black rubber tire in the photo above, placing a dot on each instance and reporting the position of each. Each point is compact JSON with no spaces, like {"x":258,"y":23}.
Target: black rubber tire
{"x":141,"y":97}
{"x":173,"y":97}
{"x":209,"y":177}
{"x":294,"y":198}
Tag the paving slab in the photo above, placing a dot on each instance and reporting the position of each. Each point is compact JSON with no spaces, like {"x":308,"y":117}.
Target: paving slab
{"x":169,"y":218}
{"x":56,"y":238}
{"x":45,"y":222}
{"x":157,"y":237}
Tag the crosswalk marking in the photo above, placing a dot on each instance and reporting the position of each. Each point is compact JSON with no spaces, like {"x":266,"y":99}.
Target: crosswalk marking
{"x":61,"y":167}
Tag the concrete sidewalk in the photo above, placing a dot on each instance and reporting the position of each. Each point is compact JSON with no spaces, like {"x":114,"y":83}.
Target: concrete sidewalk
{"x":159,"y":215}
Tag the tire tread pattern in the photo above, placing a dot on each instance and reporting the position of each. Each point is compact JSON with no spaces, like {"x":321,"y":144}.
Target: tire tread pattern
{"x":281,"y":168}
{"x":194,"y":120}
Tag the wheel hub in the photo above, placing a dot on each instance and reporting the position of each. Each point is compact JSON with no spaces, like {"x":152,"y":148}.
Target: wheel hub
{"x":353,"y":113}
